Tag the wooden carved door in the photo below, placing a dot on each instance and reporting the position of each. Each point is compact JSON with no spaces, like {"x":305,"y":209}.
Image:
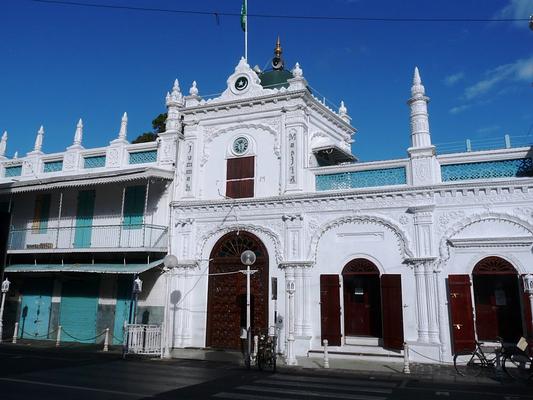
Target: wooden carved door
{"x":462,"y":316}
{"x":391,"y":294}
{"x":330,"y":309}
{"x":226,"y":310}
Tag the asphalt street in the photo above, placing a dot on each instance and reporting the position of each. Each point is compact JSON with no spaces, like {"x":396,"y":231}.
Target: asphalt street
{"x":29,"y":373}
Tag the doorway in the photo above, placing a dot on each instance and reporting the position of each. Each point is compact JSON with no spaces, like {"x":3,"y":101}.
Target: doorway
{"x":497,"y":300}
{"x":226,"y":308}
{"x":362,"y":299}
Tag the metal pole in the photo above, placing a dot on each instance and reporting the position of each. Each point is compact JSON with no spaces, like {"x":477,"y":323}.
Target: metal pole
{"x":58,"y":338}
{"x":121,"y":217}
{"x":59,"y":218}
{"x":106,"y":340}
{"x":248,"y":313}
{"x":326,"y":357}
{"x":2,"y":315}
{"x":144,"y":211}
{"x":246,"y":30}
{"x":406,"y":369}
{"x":531,"y":309}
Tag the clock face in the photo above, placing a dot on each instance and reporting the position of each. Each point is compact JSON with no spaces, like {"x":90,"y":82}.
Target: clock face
{"x":241,"y":83}
{"x":240,"y":145}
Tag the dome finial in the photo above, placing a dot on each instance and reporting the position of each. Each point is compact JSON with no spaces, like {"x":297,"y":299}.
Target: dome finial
{"x":277,"y":61}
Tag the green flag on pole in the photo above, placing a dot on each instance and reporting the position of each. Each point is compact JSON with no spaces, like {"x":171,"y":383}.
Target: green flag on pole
{"x":243,"y":16}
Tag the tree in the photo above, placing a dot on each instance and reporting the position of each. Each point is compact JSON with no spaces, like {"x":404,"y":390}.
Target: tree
{"x":158,"y":126}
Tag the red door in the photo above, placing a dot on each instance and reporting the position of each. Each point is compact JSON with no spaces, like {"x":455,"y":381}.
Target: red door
{"x":462,"y":315}
{"x":330,"y":315}
{"x":392,"y":305}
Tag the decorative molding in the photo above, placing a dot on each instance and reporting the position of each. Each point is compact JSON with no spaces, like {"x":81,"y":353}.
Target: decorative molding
{"x":444,"y":248}
{"x":524,"y":241}
{"x":403,"y":240}
{"x":260,"y":231}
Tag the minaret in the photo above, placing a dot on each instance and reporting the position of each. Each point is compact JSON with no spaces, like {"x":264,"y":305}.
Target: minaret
{"x":78,"y":136}
{"x":277,"y":61}
{"x":424,"y":167}
{"x":174,"y":101}
{"x":420,"y":136}
{"x":123,"y":127}
{"x":3,"y":145}
{"x":37,"y":148}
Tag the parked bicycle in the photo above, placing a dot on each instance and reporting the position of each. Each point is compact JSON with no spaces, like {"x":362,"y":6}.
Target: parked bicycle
{"x":516,"y":363}
{"x":266,"y":352}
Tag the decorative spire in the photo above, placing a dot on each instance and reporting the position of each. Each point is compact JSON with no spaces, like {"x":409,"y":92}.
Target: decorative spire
{"x":78,"y":136}
{"x":175,"y":98}
{"x":123,"y":127}
{"x":193,"y":91}
{"x":343,"y":113}
{"x":39,"y":140}
{"x":277,"y":61}
{"x":417,"y":88}
{"x":3,"y":144}
{"x":16,"y":155}
{"x":297,"y":71}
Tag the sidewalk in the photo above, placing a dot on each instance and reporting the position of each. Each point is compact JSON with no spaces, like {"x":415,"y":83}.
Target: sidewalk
{"x":313,"y":365}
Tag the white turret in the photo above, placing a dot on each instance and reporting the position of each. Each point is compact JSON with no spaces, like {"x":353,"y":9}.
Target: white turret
{"x":174,"y":101}
{"x":193,"y":91}
{"x":193,"y":98}
{"x":123,"y":127}
{"x":298,"y":81}
{"x":78,"y":136}
{"x":343,"y":113}
{"x":3,"y":145}
{"x":420,"y":136}
{"x":39,"y":140}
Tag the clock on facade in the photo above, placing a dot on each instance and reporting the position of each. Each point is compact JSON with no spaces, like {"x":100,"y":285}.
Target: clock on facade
{"x":240,"y":145}
{"x":241,"y":83}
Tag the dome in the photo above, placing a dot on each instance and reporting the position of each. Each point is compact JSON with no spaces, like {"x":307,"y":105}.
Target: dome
{"x":275,"y":79}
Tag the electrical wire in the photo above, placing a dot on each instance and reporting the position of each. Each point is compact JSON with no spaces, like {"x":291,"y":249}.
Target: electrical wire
{"x":218,"y":14}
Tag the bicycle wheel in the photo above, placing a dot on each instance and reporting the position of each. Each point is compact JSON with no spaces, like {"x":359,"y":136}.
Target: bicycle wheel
{"x":518,"y":366}
{"x":470,"y":365}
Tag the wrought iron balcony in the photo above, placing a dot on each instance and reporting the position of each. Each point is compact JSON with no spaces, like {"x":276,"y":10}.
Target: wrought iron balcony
{"x":145,"y":237}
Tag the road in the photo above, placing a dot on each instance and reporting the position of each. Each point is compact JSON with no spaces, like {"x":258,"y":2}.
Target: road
{"x":29,"y":373}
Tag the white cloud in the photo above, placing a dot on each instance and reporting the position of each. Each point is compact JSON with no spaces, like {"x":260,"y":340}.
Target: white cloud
{"x":453,"y":79}
{"x":519,"y":71}
{"x":459,"y":109}
{"x":517,"y":9}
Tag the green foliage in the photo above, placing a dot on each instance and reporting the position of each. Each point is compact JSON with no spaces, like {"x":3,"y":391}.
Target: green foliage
{"x":158,"y":125}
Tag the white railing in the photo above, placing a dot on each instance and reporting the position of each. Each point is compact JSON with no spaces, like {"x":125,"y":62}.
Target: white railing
{"x":482,"y":144}
{"x":92,"y":236}
{"x":143,"y":339}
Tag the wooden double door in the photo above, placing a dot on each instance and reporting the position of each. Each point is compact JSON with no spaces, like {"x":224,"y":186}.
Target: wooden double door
{"x":372,"y":305}
{"x":226,"y":309}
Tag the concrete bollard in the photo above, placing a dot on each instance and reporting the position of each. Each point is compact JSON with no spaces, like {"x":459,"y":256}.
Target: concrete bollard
{"x":326,"y":357}
{"x":106,"y":340}
{"x":58,"y":337}
{"x":15,"y":333}
{"x":406,"y":369}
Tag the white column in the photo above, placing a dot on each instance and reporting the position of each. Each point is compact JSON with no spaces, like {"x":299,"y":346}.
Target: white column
{"x":306,"y":287}
{"x":299,"y":300}
{"x":443,"y":313}
{"x":421,"y":303}
{"x":290,"y":291}
{"x":432,"y":300}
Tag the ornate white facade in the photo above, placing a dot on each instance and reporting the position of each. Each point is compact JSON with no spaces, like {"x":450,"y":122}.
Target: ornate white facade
{"x":389,"y":233}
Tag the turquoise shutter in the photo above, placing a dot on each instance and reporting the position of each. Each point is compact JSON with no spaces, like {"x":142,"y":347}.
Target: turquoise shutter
{"x":134,"y":207}
{"x":84,"y":219}
{"x":45,"y":212}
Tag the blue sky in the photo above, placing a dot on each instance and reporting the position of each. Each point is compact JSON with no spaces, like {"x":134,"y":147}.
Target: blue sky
{"x":59,"y":63}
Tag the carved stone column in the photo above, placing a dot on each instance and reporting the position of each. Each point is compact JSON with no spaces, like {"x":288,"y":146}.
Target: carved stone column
{"x":432,"y":302}
{"x":179,"y":316}
{"x":442,"y":310}
{"x":290,"y":289}
{"x":421,"y":302}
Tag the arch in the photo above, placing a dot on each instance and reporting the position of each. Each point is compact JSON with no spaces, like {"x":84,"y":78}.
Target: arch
{"x":226,"y":300}
{"x":494,"y":266}
{"x":444,"y":247}
{"x":360,"y":266}
{"x":401,"y":236}
{"x":263,"y":233}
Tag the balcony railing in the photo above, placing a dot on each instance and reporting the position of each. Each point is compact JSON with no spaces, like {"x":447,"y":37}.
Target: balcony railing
{"x":137,"y":236}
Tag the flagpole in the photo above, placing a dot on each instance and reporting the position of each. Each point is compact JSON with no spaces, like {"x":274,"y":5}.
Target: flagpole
{"x":246,"y":31}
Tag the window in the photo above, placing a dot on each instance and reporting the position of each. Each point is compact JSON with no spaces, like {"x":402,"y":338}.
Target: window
{"x":53,"y":166}
{"x":94,"y":162}
{"x":134,"y":207}
{"x":240,"y":177}
{"x":41,"y":213}
{"x":143,"y":157}
{"x":15,"y":170}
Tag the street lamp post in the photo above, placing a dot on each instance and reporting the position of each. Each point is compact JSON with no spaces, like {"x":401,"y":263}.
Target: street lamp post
{"x":248,"y":258}
{"x":528,"y":288}
{"x":137,"y":288}
{"x":5,"y":289}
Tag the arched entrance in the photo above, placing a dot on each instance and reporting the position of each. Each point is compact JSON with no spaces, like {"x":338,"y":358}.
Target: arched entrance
{"x":362,"y":299}
{"x":497,"y":300}
{"x":226,"y":308}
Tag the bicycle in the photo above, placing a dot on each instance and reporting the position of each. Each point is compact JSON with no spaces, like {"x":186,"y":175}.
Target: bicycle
{"x":472,"y":364}
{"x":266,"y":352}
{"x":517,"y":363}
